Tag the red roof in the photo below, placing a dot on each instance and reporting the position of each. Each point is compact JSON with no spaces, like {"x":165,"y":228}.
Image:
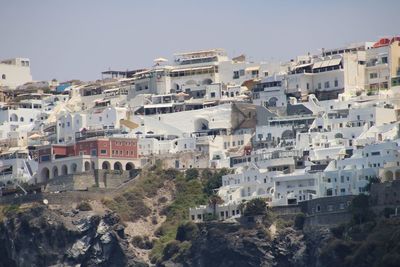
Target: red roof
{"x":382,"y":42}
{"x":386,"y":41}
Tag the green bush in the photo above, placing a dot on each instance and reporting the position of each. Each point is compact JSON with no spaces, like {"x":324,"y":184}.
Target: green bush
{"x":171,"y":249}
{"x":256,"y":206}
{"x":191,"y":174}
{"x":187,"y":231}
{"x":142,"y":242}
{"x":282,"y":224}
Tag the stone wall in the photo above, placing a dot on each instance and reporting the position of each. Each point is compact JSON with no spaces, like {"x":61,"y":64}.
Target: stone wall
{"x":109,"y":179}
{"x":327,"y":219}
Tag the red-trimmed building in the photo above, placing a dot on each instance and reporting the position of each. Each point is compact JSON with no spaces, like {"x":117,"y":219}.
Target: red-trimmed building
{"x":91,"y":154}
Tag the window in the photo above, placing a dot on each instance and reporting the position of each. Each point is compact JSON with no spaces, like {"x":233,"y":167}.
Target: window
{"x":384,"y":60}
{"x":103,"y":151}
{"x":45,"y":158}
{"x":373,"y":75}
{"x":319,"y":85}
{"x":318,"y":208}
{"x":336,"y":83}
{"x":3,"y":76}
{"x":308,"y":86}
{"x":326,"y":85}
{"x":93,"y":152}
{"x":213,"y":94}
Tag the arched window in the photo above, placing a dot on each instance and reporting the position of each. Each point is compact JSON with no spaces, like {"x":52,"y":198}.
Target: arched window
{"x":3,"y":76}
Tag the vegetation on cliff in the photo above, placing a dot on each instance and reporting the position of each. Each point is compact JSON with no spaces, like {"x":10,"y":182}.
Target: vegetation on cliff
{"x":368,"y":240}
{"x":192,"y":188}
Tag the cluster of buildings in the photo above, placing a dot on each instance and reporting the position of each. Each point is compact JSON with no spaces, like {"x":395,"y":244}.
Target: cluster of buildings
{"x":316,"y":126}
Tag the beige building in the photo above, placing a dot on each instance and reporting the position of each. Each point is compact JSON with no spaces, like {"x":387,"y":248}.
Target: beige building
{"x":15,"y":72}
{"x":383,"y":64}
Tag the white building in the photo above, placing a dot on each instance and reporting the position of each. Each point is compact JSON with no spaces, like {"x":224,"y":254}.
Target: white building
{"x":102,"y":117}
{"x":192,"y":72}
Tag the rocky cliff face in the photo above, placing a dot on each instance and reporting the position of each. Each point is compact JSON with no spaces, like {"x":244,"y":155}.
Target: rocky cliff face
{"x":224,"y":244}
{"x":43,"y":237}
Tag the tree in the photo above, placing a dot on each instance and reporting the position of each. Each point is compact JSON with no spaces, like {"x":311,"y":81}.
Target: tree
{"x":256,"y":206}
{"x":372,"y":180}
{"x":206,"y":174}
{"x":191,"y":174}
{"x":242,"y":206}
{"x":215,"y":181}
{"x":213,"y":201}
{"x":360,"y":209}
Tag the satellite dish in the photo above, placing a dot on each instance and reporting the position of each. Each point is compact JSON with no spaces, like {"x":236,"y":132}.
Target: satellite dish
{"x":45,"y":201}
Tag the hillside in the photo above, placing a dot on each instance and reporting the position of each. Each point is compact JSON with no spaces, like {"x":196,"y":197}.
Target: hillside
{"x":146,"y":223}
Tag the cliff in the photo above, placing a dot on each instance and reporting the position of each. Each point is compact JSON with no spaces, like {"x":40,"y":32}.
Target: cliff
{"x":231,"y":244}
{"x":39,"y":236}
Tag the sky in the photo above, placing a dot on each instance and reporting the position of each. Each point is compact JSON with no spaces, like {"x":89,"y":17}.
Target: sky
{"x":79,"y":39}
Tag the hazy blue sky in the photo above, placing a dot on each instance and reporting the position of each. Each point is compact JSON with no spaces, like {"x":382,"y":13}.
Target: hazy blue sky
{"x":79,"y":39}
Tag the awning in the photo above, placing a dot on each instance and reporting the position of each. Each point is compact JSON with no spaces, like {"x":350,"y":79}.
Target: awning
{"x":111,"y":90}
{"x":190,"y":69}
{"x":162,"y":105}
{"x":252,"y":68}
{"x":317,"y":65}
{"x":327,"y":63}
{"x":302,"y":66}
{"x":335,"y":61}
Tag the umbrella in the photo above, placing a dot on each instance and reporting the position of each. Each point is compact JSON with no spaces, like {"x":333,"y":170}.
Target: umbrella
{"x":160,"y":59}
{"x":35,"y":136}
